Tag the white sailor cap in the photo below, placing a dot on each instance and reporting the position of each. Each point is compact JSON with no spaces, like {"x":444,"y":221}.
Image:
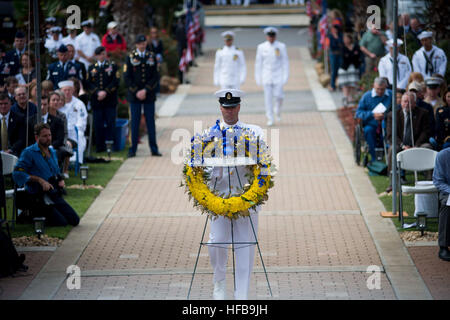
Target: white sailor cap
{"x":65,"y":83}
{"x":270,"y":31}
{"x":87,"y":23}
{"x":50,"y":19}
{"x":55,"y":29}
{"x":227,"y":34}
{"x":112,"y":25}
{"x":425,"y":34}
{"x":390,"y":42}
{"x":229,"y":97}
{"x":433,"y":82}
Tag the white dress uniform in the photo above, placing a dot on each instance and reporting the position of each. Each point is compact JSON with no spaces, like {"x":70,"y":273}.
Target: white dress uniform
{"x":429,"y":62}
{"x":87,"y":44}
{"x":435,"y":59}
{"x":51,"y":44}
{"x":386,"y":66}
{"x":272,"y":72}
{"x":229,"y":68}
{"x":76,"y":114}
{"x":220,"y":229}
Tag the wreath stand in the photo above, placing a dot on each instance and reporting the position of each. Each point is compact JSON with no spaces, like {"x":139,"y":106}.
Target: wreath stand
{"x":202,"y":243}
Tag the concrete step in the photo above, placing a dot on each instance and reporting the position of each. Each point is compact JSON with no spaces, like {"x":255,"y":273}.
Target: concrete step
{"x":253,"y":10}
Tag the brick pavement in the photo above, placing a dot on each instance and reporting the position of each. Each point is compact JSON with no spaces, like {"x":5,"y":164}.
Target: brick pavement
{"x":314,"y":240}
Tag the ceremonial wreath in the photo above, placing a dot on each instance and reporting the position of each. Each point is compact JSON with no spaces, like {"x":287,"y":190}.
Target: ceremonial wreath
{"x":224,"y":144}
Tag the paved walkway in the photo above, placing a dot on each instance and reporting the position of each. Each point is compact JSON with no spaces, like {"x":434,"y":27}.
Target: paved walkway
{"x":319,"y":231}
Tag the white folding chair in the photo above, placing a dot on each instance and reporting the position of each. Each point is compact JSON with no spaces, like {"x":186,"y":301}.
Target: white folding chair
{"x":9,"y":162}
{"x":415,"y":159}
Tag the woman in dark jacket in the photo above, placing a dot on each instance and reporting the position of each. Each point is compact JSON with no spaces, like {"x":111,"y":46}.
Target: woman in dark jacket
{"x":336,"y":45}
{"x":349,"y":71}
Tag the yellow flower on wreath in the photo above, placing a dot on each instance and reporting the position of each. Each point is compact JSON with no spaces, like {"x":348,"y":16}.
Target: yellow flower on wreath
{"x":233,"y":206}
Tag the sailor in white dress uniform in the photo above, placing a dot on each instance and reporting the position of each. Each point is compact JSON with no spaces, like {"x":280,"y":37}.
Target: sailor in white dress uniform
{"x":229,"y":67}
{"x":386,"y":66}
{"x":429,"y":59}
{"x":222,"y":179}
{"x":76,"y":114}
{"x":272,"y":72}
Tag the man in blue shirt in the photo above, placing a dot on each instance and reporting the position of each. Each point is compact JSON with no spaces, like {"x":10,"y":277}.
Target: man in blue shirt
{"x":441,"y":179}
{"x":372,"y":122}
{"x":38,"y":170}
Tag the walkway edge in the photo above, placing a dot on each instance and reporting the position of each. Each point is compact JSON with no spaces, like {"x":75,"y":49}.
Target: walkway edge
{"x":48,"y":281}
{"x":398,"y":265}
{"x":53,"y":274}
{"x":400,"y":268}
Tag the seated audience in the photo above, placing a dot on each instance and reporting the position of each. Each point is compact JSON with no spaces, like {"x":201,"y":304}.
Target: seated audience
{"x":433,"y":90}
{"x":412,"y":127}
{"x":11,"y":83}
{"x":27,"y":72}
{"x":76,"y":114}
{"x":12,"y":133}
{"x":22,"y":106}
{"x":372,"y":122}
{"x":441,"y":179}
{"x":419,"y":89}
{"x":443,"y":123}
{"x":37,"y":170}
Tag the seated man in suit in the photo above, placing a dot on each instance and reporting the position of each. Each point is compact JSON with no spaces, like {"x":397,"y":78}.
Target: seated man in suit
{"x":412,"y":127}
{"x":12,"y":132}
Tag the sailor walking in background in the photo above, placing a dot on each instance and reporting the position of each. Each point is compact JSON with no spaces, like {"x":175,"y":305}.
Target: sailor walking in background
{"x":229,"y":67}
{"x":272,"y":72}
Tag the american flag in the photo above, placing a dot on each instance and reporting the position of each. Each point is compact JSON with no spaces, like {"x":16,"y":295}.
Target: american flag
{"x":183,"y":62}
{"x":190,"y":36}
{"x":308,"y":9}
{"x":323,"y":27}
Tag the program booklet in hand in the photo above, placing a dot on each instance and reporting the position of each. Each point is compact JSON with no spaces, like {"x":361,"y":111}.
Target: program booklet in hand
{"x":380,"y":108}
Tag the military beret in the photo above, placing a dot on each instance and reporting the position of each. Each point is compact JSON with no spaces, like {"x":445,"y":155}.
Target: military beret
{"x":20,"y":35}
{"x":99,"y":50}
{"x":62,"y":48}
{"x":140,"y":38}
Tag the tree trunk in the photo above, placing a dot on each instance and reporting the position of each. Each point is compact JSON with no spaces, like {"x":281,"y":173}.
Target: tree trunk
{"x":131,"y":18}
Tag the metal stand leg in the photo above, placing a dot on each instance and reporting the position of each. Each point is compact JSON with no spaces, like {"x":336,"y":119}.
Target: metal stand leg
{"x":198,"y":256}
{"x":232,"y":250}
{"x":260,"y":255}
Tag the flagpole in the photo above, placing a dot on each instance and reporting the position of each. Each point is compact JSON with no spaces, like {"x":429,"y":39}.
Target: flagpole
{"x":37,"y":46}
{"x":394,"y":116}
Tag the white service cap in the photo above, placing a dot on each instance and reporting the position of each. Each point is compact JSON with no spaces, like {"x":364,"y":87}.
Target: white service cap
{"x":425,"y":34}
{"x":227,"y":34}
{"x":390,"y":42}
{"x":270,"y":30}
{"x":112,"y":24}
{"x":65,"y":83}
{"x":229,"y":97}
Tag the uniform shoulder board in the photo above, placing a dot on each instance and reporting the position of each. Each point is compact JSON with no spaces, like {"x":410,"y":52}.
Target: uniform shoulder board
{"x":238,"y":48}
{"x":219,"y":49}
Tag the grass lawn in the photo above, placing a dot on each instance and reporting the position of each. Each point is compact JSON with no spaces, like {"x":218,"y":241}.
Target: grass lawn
{"x":80,"y":200}
{"x":382,"y":182}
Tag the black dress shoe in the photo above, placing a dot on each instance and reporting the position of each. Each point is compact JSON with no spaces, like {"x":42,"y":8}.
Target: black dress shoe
{"x":444,"y":254}
{"x":156,"y":154}
{"x":131,"y":154}
{"x":389,"y":189}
